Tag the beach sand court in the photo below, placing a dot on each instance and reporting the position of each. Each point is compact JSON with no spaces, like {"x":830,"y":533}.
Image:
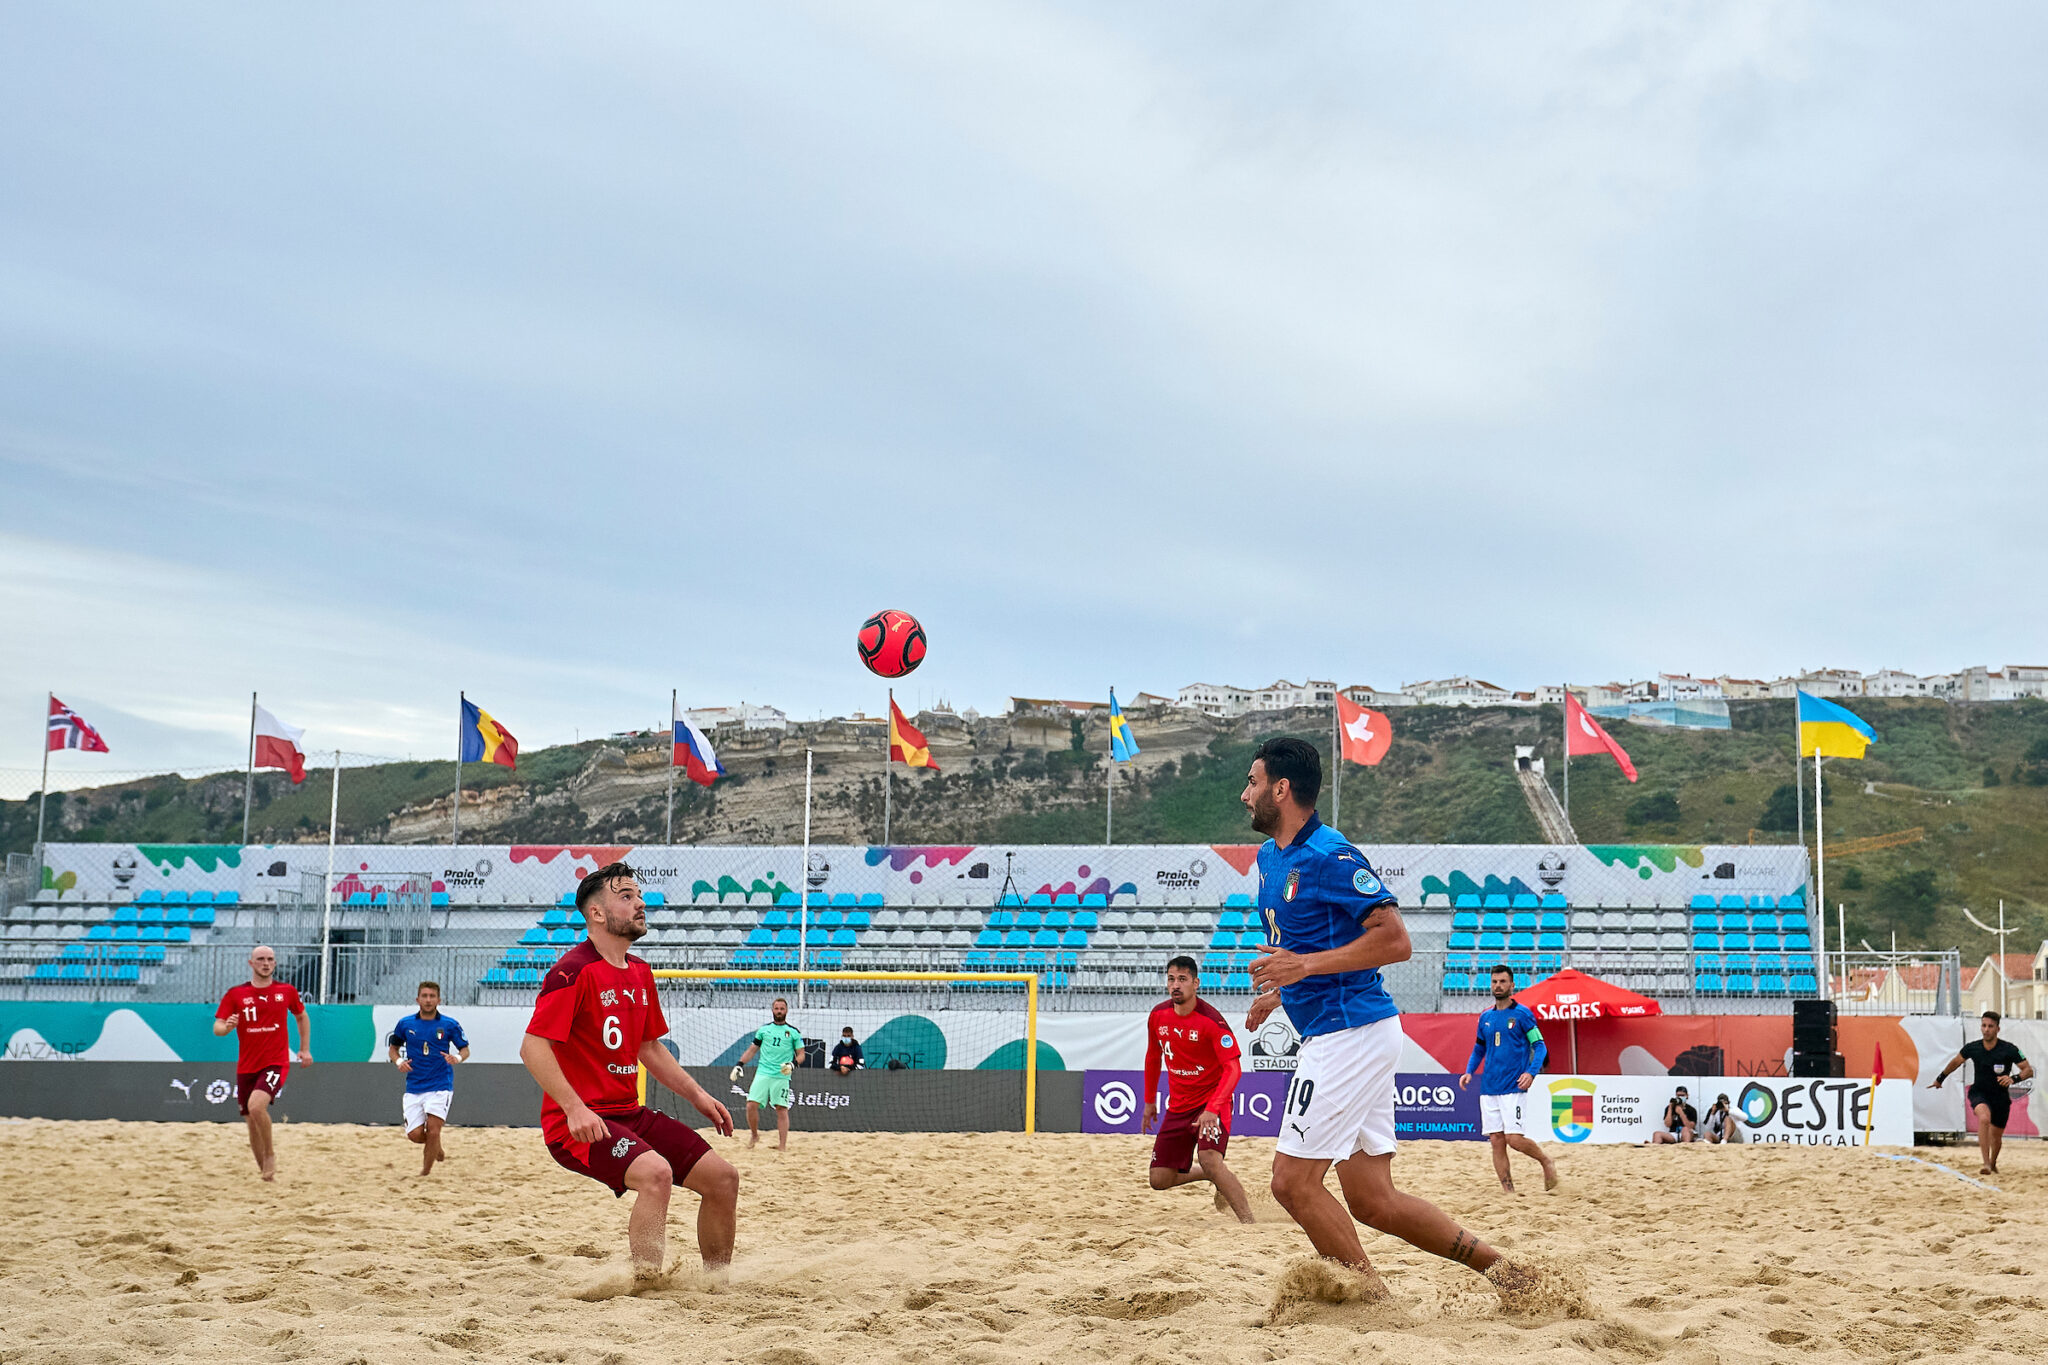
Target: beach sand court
{"x":139,"y":1240}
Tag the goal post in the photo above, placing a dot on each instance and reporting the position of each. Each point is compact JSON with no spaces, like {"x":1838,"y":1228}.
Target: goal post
{"x":920,"y":1022}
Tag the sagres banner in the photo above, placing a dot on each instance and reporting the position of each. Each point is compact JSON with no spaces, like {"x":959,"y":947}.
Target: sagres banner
{"x":1775,"y":1110}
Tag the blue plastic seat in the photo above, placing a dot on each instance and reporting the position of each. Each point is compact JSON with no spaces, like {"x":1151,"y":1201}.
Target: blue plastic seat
{"x":1711,"y":923}
{"x":127,"y":931}
{"x":181,"y":896}
{"x":1046,"y":938}
{"x":202,"y":918}
{"x":497,"y":976}
{"x":989,"y":938}
{"x":1735,"y":962}
{"x":1066,"y":957}
{"x":1223,"y":938}
{"x":1095,"y":901}
{"x":1462,"y":942}
{"x":1237,"y":900}
{"x":176,"y":914}
{"x":153,"y":955}
{"x":1706,"y":942}
{"x":1523,"y":900}
{"x":357,"y":898}
{"x":1524,"y":920}
{"x":1030,"y":919}
{"x":1040,"y":899}
{"x":1795,"y":901}
{"x":1059,"y":919}
{"x":153,"y":933}
{"x":527,"y":976}
{"x":1706,"y":962}
{"x":1074,"y":938}
{"x":1523,"y":980}
{"x":149,"y":894}
{"x":1552,"y":941}
{"x":534,"y":935}
{"x":1238,"y":981}
{"x":1741,"y":985}
{"x":871,"y":900}
{"x":79,"y":952}
{"x":1067,"y":900}
{"x":1003,"y":919}
{"x":1465,"y":919}
{"x":225,"y":898}
{"x":100,"y":933}
{"x":1011,"y":898}
{"x":1553,"y":921}
{"x":562,"y":938}
{"x":1494,"y":919}
{"x":1212,"y":981}
{"x":1231,"y":919}
{"x":859,"y":919}
{"x":1493,"y":943}
{"x":1087,"y":919}
{"x":1794,"y":920}
{"x":555,"y":918}
{"x":1004,"y":962}
{"x":1801,"y":941}
{"x":1216,"y":961}
{"x":1523,"y":942}
{"x":1552,"y":901}
{"x":1764,"y":920}
{"x":47,"y":971}
{"x":817,"y":937}
{"x":566,"y":898}
{"x":1803,"y":984}
{"x":829,"y":919}
{"x":1799,"y":962}
{"x":787,"y":938}
{"x":844,"y":900}
{"x":1735,"y":940}
{"x":1495,"y":900}
{"x":152,"y":914}
{"x":1017,"y":938}
{"x":1707,"y":983}
{"x":1734,"y":903}
{"x":1467,"y":901}
{"x":654,"y":898}
{"x":1703,"y":903}
{"x":127,"y":914}
{"x":976,"y":960}
{"x":1769,"y":962}
{"x":1763,"y":902}
{"x":1549,"y":962}
{"x":1766,"y":941}
{"x":1033,"y":961}
{"x":1737,"y":922}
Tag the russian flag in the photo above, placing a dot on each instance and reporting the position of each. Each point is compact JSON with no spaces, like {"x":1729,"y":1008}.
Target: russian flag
{"x":693,"y":753}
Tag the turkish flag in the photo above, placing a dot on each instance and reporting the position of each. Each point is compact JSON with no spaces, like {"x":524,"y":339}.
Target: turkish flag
{"x":1362,"y":735}
{"x":1583,"y":735}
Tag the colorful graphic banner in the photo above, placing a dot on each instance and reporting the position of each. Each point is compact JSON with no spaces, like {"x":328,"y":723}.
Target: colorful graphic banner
{"x":1426,"y":1104}
{"x":1776,"y":1111}
{"x":1421,"y":875}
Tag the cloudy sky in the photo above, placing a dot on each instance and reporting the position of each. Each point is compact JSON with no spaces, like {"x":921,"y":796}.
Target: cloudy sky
{"x":568,"y":355}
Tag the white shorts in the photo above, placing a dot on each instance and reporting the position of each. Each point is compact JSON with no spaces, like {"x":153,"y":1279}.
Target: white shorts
{"x":1341,"y":1100}
{"x":434,"y":1102}
{"x":1501,"y":1113}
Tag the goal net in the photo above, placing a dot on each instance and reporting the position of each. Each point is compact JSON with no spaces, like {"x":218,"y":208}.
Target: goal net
{"x":941,"y":1052}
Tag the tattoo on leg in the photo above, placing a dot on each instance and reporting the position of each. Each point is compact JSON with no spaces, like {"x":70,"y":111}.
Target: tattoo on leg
{"x":1463,"y":1247}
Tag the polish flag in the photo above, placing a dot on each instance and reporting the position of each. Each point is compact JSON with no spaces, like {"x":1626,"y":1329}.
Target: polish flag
{"x":693,"y":752}
{"x":1583,"y":735}
{"x":277,"y":746}
{"x":1365,"y":734}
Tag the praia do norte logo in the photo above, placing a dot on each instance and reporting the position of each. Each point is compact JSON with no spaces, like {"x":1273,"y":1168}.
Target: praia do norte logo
{"x":1571,"y":1109}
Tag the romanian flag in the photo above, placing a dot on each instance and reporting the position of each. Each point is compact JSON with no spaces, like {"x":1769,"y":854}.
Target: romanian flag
{"x":1123,"y":745}
{"x":484,"y":740}
{"x":906,"y":743}
{"x":1829,"y":730}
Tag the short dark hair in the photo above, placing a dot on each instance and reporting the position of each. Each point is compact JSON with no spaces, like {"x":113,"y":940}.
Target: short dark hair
{"x":600,"y":879}
{"x":433,"y":986}
{"x":1992,"y":1015}
{"x":1500,"y":967}
{"x":1298,"y":761}
{"x":780,"y":1000}
{"x":1186,"y":964}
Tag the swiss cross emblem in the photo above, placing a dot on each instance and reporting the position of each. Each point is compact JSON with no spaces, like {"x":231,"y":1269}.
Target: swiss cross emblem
{"x":608,"y":998}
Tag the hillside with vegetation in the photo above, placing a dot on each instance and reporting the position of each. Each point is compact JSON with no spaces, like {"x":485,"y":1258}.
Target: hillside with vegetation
{"x":1958,"y":792}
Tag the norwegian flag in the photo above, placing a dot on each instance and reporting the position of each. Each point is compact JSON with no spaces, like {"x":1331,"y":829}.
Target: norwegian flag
{"x":68,"y":731}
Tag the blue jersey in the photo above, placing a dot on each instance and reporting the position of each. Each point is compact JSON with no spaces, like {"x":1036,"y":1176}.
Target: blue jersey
{"x":1314,"y":895}
{"x":427,"y":1043}
{"x":1509,"y":1043}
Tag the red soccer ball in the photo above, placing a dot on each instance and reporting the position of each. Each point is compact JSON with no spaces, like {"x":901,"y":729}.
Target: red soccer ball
{"x":891,"y":643}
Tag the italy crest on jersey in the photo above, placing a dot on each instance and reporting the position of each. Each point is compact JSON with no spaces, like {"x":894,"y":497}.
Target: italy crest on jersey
{"x":1293,"y":884}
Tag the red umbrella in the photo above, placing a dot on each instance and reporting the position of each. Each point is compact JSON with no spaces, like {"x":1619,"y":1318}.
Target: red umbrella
{"x":1571,"y":995}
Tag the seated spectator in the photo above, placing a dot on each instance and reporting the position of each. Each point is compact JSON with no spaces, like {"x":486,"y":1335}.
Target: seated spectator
{"x":1679,"y":1122}
{"x":1719,"y":1124}
{"x":846,"y":1057}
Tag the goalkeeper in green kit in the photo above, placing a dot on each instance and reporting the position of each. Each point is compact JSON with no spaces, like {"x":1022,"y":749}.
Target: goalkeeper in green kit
{"x":778,"y":1045}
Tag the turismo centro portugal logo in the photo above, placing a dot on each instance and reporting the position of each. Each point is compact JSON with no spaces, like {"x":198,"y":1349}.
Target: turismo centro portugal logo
{"x":1571,"y":1109}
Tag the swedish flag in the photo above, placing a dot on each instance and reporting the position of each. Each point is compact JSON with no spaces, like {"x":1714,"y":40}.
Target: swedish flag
{"x":1831,"y":731}
{"x":1123,"y":745}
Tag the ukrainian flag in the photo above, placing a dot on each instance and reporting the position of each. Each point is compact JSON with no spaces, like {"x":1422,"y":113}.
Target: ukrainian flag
{"x":1831,"y":731}
{"x":484,"y":740}
{"x":1123,"y":745}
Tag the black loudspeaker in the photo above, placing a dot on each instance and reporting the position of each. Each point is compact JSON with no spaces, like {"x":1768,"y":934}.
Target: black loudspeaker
{"x":1813,"y":1014}
{"x":1828,"y":1064}
{"x":1821,"y":1040}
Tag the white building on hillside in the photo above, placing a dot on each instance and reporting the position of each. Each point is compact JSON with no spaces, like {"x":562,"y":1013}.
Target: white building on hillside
{"x":1744,"y":689}
{"x":1821,"y":682}
{"x":1458,"y":691}
{"x":746,"y":715}
{"x":1285,"y":696}
{"x":1213,"y":699}
{"x":1365,"y":694}
{"x":1685,"y":687}
{"x":1599,"y":694}
{"x":1550,"y":694}
{"x":1893,"y":682}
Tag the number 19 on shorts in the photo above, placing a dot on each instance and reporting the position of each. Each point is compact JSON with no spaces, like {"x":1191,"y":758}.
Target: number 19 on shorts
{"x":1300,"y":1090}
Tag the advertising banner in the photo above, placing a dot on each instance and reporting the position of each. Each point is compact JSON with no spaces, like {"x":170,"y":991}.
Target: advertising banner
{"x":1771,"y":1110}
{"x":1426,"y":1104}
{"x":926,"y":874}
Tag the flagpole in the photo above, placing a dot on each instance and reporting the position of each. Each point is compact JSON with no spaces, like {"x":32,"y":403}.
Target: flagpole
{"x":803,"y":894}
{"x":1820,"y":847}
{"x":1336,"y":765}
{"x":1109,"y":780}
{"x":1566,"y":711}
{"x":461,"y":699}
{"x":327,"y":896}
{"x":249,"y":784}
{"x":668,"y":834}
{"x":888,"y":768}
{"x":1799,"y":781}
{"x":43,"y":796}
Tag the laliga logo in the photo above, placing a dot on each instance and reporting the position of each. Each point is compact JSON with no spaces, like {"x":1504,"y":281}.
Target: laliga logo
{"x":1115,"y":1102}
{"x":219,"y":1092}
{"x":1571,"y":1109}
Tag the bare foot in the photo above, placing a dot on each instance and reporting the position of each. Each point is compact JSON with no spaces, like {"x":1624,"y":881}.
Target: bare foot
{"x":1544,"y":1290}
{"x":268,"y":1175}
{"x":1550,"y":1181}
{"x":1507,"y":1187}
{"x":1981,"y":1170}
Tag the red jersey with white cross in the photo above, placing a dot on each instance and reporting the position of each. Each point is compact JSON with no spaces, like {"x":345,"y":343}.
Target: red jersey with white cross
{"x":1199,"y":1053}
{"x":597,"y":1016}
{"x":259,"y":1013}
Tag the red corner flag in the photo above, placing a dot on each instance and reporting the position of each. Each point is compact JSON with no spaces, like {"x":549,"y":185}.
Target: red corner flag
{"x":1365,"y":734}
{"x":1584,"y":736}
{"x":1876,"y":1064}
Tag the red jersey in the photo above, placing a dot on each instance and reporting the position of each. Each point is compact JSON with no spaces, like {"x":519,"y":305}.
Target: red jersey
{"x":1200,"y":1055}
{"x":259,"y":1013}
{"x":597,"y":1016}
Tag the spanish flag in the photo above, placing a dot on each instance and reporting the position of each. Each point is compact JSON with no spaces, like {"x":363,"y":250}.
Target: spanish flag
{"x":1829,"y":730}
{"x":484,"y":740}
{"x":906,"y":743}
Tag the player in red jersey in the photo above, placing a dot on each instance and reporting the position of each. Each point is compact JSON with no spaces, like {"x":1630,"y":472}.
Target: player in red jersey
{"x":596,"y":1024}
{"x":255,"y":1011}
{"x":1191,"y":1038}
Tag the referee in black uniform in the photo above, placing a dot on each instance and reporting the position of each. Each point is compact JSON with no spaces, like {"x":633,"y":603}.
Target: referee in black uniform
{"x":1994,"y":1065}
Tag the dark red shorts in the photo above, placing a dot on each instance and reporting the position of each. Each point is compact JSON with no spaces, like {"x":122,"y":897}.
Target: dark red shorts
{"x":644,"y":1130}
{"x":1179,"y":1140}
{"x":270,"y":1080}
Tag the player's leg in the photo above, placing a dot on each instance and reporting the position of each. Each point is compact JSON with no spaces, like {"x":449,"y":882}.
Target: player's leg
{"x":1228,"y":1188}
{"x":782,"y":1126}
{"x":1996,"y":1128}
{"x":1166,"y":1178}
{"x":652,"y":1181}
{"x":1368,"y":1184}
{"x":432,"y":1152}
{"x":260,"y":1144}
{"x":1528,"y":1147}
{"x":753,"y":1123}
{"x":1499,"y":1143}
{"x":717,"y":1187}
{"x":1298,"y":1185}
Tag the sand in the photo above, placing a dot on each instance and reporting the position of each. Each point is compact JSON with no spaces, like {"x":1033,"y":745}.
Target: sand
{"x":127,"y":1241}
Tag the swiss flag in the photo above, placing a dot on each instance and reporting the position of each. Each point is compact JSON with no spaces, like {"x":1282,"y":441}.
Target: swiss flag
{"x":1583,"y":735}
{"x":277,"y":746}
{"x":1363,"y":735}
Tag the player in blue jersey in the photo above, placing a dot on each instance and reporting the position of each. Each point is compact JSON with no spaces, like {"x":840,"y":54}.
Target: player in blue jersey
{"x":1330,"y":926}
{"x":427,"y":1047}
{"x":1508,"y":1055}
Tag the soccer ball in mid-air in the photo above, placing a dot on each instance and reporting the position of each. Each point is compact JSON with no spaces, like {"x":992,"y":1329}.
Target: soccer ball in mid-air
{"x":891,"y":643}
